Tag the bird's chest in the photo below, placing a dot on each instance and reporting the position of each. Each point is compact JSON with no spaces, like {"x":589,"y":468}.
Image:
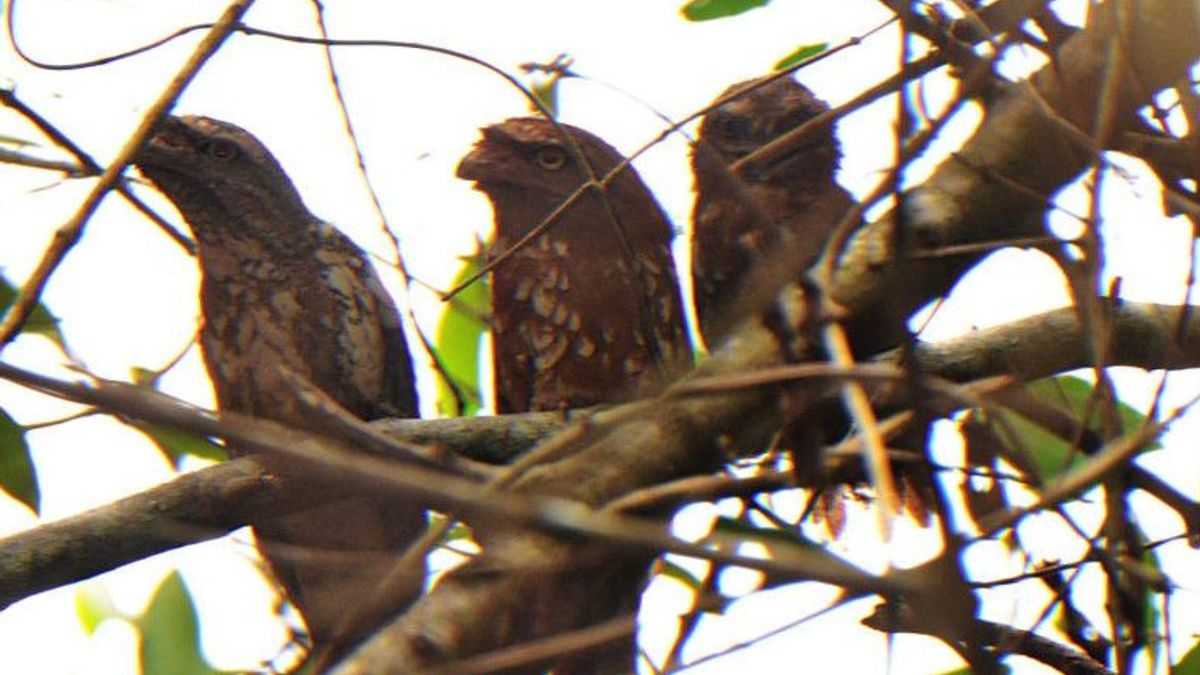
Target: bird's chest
{"x":270,"y":323}
{"x":568,"y":324}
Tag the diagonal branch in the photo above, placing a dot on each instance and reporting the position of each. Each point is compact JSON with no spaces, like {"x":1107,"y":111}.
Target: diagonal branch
{"x":208,"y":503}
{"x":1030,"y":138}
{"x":67,"y":235}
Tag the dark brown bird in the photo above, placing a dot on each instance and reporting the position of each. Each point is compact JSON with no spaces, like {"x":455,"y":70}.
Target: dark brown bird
{"x":282,"y":291}
{"x":763,"y":226}
{"x":588,"y":311}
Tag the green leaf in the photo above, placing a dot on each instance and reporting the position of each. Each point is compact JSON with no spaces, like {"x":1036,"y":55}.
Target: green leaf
{"x":94,"y":605}
{"x":170,"y":634}
{"x":706,"y":10}
{"x":1073,"y":393}
{"x":459,"y":338}
{"x":40,"y":320}
{"x":1051,"y":454}
{"x":18,"y":477}
{"x":176,"y":444}
{"x":801,"y":53}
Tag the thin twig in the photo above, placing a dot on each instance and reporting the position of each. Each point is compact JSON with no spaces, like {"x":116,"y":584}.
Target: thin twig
{"x":67,"y":235}
{"x":348,"y":124}
{"x":8,"y":98}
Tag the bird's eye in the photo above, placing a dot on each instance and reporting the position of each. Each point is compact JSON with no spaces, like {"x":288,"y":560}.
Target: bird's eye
{"x":732,"y":125}
{"x":222,"y":151}
{"x":551,"y":157}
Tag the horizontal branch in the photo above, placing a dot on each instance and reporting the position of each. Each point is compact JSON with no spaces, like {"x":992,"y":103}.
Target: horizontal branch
{"x":210,"y":502}
{"x":1144,"y":335}
{"x":199,"y":506}
{"x":357,"y":472}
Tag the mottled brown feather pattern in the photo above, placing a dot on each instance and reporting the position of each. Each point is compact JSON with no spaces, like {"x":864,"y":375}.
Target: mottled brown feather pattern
{"x":754,"y":230}
{"x":282,"y":291}
{"x":589,"y":311}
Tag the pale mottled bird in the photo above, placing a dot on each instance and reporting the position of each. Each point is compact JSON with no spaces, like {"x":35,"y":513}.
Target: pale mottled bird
{"x":284,"y":293}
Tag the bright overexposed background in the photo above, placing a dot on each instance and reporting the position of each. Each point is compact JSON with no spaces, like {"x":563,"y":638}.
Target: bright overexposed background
{"x":127,"y":295}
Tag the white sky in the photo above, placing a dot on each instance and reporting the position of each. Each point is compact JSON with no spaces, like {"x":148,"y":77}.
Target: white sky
{"x":128,"y":296}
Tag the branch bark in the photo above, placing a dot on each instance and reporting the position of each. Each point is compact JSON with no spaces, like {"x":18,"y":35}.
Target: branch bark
{"x":1037,"y":136}
{"x":208,"y":503}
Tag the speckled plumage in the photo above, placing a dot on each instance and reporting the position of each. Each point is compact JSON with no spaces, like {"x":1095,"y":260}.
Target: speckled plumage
{"x":757,"y":229}
{"x":589,"y":311}
{"x":283,"y":291}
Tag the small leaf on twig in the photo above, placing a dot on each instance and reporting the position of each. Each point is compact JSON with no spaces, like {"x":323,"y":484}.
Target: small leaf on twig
{"x":40,"y":321}
{"x":801,"y":53}
{"x":707,"y":10}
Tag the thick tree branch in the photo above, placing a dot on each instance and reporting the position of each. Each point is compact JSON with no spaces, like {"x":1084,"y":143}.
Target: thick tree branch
{"x":1036,"y":137}
{"x":68,"y":234}
{"x":355,"y":472}
{"x":208,"y":503}
{"x":1145,"y":335}
{"x":199,"y":506}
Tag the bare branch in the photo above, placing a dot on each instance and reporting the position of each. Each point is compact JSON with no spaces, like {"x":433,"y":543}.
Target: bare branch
{"x":69,"y":233}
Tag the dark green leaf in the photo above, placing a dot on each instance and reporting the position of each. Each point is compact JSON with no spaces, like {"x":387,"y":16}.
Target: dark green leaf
{"x":177,"y":444}
{"x":170,"y":634}
{"x":1051,"y":454}
{"x":459,"y":339}
{"x":18,"y":477}
{"x":706,"y":10}
{"x":1048,"y":454}
{"x":40,"y":321}
{"x":1073,"y":393}
{"x":801,"y":53}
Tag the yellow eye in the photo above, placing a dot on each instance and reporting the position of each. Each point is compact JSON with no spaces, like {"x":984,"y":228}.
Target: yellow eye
{"x":222,"y":151}
{"x":551,"y":157}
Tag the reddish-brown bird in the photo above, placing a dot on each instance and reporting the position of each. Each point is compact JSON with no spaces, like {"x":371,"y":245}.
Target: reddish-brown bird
{"x":588,"y":311}
{"x":284,"y":293}
{"x":764,"y":225}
